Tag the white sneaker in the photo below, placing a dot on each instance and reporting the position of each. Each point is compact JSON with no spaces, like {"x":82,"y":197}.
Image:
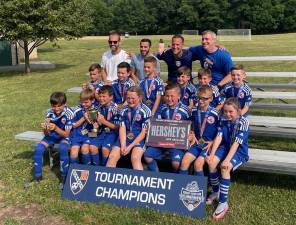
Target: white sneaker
{"x":214,"y":196}
{"x":220,"y":211}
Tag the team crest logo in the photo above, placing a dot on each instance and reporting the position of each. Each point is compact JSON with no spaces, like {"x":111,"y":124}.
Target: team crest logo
{"x":208,"y":63}
{"x":78,"y":180}
{"x":241,"y":95}
{"x":178,"y":63}
{"x":63,"y":120}
{"x":178,"y":116}
{"x":138,"y":117}
{"x":211,"y":119}
{"x":191,"y":196}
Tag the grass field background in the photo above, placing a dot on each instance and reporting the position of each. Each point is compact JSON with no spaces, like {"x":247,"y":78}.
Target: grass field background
{"x":255,"y":198}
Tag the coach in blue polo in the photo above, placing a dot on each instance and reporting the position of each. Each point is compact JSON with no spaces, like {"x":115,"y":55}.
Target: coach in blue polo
{"x":214,"y":58}
{"x":175,"y":57}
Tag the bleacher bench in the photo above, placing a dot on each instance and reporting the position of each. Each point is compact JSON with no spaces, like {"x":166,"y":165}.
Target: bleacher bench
{"x":260,"y":160}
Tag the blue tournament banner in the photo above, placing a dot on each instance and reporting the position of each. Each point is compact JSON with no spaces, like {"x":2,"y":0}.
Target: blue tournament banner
{"x":183,"y":194}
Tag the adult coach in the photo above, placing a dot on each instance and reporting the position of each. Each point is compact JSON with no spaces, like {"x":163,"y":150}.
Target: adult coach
{"x":137,"y":60}
{"x":112,"y":58}
{"x":176,"y":57}
{"x":214,"y":58}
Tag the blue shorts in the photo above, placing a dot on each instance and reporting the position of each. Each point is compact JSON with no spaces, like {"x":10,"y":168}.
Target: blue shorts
{"x":79,"y":141}
{"x":237,"y":160}
{"x":104,"y":140}
{"x":51,"y":140}
{"x":197,"y":150}
{"x":141,"y":144}
{"x":176,"y":155}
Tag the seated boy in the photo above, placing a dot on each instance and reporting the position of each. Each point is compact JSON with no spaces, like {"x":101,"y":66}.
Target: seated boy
{"x":83,"y":125}
{"x":56,"y":129}
{"x":238,"y":89}
{"x":152,"y":85}
{"x":205,"y":121}
{"x":172,"y":110}
{"x":109,"y":123}
{"x":188,"y":91}
{"x":204,"y":78}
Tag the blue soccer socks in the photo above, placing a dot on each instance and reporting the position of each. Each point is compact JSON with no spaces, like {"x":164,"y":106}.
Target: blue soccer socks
{"x":38,"y":159}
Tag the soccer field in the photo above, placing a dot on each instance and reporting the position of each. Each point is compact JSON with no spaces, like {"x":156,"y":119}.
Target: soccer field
{"x":255,"y":198}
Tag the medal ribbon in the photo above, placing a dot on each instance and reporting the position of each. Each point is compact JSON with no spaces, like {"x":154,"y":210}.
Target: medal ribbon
{"x":239,"y":90}
{"x":174,"y":113}
{"x":202,"y":126}
{"x":122,"y":90}
{"x":234,"y":131}
{"x":183,"y":92}
{"x":130,"y":119}
{"x":148,"y":90}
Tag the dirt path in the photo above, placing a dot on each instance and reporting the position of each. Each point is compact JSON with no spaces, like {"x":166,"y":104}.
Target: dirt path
{"x":27,"y":214}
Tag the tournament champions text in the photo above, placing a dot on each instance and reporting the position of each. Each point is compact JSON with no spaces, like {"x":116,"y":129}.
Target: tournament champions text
{"x":125,"y":187}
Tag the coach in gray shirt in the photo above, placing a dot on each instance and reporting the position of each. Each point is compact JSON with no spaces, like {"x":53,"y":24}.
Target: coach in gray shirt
{"x":137,"y":60}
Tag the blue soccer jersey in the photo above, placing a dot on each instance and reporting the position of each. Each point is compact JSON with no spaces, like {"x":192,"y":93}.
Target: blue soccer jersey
{"x":219,"y":62}
{"x":110,"y":114}
{"x":205,"y":124}
{"x":62,"y":121}
{"x":237,"y":131}
{"x":134,"y":120}
{"x":120,"y":89}
{"x":180,"y":112}
{"x":97,"y":85}
{"x":243,"y":93}
{"x":174,"y":64}
{"x":151,"y":89}
{"x":85,"y":127}
{"x":218,"y":99}
{"x":188,"y":93}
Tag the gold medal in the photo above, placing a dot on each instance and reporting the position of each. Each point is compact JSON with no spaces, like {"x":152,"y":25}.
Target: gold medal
{"x":107,"y":129}
{"x":148,"y":102}
{"x":130,"y":135}
{"x":201,"y":141}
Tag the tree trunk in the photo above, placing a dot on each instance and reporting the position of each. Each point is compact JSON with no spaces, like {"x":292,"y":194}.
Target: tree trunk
{"x":27,"y":59}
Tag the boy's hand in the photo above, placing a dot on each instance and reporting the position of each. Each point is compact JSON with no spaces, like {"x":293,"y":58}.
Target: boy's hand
{"x":123,"y":150}
{"x":208,"y":146}
{"x":84,"y":86}
{"x":128,"y":149}
{"x":108,"y":82}
{"x":95,"y":125}
{"x":209,"y":159}
{"x":101,"y":118}
{"x":51,"y":126}
{"x":85,"y":115}
{"x":191,"y":138}
{"x":119,"y":107}
{"x":91,"y":87}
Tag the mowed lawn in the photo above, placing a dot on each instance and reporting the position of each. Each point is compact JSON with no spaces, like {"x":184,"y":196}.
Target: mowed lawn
{"x":255,"y":198}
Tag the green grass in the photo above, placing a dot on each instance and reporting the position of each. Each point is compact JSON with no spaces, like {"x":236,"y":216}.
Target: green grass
{"x":254,"y":198}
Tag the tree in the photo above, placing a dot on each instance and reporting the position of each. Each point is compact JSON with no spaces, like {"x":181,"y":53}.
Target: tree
{"x":38,"y":21}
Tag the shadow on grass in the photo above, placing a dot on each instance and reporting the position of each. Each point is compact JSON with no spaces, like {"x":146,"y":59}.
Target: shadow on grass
{"x":287,"y":182}
{"x":58,"y":68}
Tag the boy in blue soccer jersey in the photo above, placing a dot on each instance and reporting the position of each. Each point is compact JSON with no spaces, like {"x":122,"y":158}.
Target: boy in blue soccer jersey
{"x":56,"y":129}
{"x":239,"y":89}
{"x":205,"y":120}
{"x":188,"y":91}
{"x":121,"y":85}
{"x":95,"y":75}
{"x":172,"y":110}
{"x":204,"y":78}
{"x":132,"y":131}
{"x":152,"y":85}
{"x":230,"y":150}
{"x":83,"y":126}
{"x":108,"y":121}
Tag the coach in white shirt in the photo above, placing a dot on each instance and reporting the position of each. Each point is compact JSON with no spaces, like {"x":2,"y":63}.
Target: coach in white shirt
{"x":112,"y":58}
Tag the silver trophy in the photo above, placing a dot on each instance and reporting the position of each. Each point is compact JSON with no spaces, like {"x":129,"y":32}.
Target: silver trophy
{"x":93,"y":117}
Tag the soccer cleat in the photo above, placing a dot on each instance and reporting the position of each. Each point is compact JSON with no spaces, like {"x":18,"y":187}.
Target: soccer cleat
{"x":220,"y":211}
{"x":31,"y":182}
{"x":214,"y":196}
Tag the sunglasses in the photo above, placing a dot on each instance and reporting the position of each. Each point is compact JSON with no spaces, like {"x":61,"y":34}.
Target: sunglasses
{"x":112,"y":42}
{"x":201,"y":98}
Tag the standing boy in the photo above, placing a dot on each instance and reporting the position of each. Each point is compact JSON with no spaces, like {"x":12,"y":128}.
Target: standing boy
{"x":152,"y":85}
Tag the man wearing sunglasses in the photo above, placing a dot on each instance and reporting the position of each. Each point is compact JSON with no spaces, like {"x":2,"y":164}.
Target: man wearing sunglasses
{"x":112,"y":58}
